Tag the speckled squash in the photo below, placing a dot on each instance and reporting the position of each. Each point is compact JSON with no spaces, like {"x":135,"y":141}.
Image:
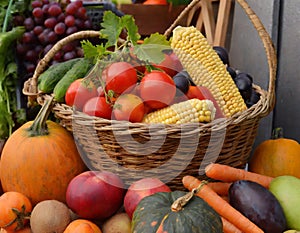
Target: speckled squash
{"x":39,"y":159}
{"x":154,"y":214}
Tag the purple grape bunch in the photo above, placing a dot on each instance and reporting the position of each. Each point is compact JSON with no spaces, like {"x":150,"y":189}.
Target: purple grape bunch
{"x":47,"y":23}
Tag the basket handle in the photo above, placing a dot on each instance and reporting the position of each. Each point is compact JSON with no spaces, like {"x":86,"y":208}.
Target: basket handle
{"x":263,"y":34}
{"x":269,"y":49}
{"x":30,"y":87}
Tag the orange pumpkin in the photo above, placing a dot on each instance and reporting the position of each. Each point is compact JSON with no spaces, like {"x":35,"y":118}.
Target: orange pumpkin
{"x":277,"y":156}
{"x":15,"y":211}
{"x":24,"y":230}
{"x":82,"y":226}
{"x":39,"y":159}
{"x":1,"y":190}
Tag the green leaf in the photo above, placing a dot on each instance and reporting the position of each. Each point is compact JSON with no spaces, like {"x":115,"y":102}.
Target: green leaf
{"x":21,"y":117}
{"x":111,"y":28}
{"x":6,"y":121}
{"x":11,"y":69}
{"x":128,"y":23}
{"x":157,"y":38}
{"x":92,"y":51}
{"x":152,"y":49}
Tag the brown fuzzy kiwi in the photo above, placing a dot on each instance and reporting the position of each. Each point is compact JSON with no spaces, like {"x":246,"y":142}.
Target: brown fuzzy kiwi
{"x":118,"y":223}
{"x":50,"y":216}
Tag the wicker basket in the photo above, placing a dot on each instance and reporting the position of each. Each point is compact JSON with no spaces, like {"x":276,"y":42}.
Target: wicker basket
{"x":136,"y":150}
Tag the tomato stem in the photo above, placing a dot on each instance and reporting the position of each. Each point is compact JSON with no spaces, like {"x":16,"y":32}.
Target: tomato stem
{"x":39,"y":126}
{"x":20,"y":217}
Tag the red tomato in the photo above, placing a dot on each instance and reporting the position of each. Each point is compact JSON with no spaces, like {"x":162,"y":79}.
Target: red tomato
{"x":171,"y":64}
{"x":194,"y":92}
{"x":140,"y":68}
{"x":98,"y":107}
{"x":136,"y":90}
{"x":79,"y":92}
{"x":129,"y":107}
{"x":148,"y":109}
{"x":157,"y":89}
{"x":120,"y":77}
{"x":100,"y":91}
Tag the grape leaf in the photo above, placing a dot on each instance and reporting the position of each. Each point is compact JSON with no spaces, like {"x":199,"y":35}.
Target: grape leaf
{"x":111,"y":28}
{"x":93,"y":51}
{"x":132,"y":30}
{"x":152,"y":49}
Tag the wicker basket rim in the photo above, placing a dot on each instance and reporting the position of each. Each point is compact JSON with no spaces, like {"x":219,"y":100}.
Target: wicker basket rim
{"x":259,"y":109}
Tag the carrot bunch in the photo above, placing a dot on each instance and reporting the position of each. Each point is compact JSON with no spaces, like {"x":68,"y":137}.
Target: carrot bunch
{"x":216,"y":194}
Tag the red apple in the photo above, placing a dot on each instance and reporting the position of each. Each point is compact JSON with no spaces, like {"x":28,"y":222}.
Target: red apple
{"x":95,"y":194}
{"x":140,"y":189}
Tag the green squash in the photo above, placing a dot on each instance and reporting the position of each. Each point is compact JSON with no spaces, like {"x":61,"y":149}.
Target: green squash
{"x":154,"y":214}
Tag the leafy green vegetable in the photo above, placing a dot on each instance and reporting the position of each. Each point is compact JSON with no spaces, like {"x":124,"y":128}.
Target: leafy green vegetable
{"x":7,"y":8}
{"x":10,"y":113}
{"x":8,"y":78}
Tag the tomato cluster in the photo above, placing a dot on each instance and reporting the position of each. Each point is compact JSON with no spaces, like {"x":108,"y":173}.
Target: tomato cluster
{"x":130,"y":90}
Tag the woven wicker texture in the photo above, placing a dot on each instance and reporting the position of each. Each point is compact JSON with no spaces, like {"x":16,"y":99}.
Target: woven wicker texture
{"x":137,"y":150}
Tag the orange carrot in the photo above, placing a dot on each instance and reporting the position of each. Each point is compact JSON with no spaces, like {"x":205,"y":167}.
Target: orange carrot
{"x":220,"y":188}
{"x":227,"y":173}
{"x":223,"y":208}
{"x":228,"y":227}
{"x":225,"y":198}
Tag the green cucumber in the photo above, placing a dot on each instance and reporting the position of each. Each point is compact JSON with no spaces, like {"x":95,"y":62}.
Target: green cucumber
{"x":78,"y":70}
{"x":49,"y":78}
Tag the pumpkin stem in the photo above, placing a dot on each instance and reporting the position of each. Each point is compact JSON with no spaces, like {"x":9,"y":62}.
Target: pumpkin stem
{"x":39,"y":126}
{"x":20,"y":216}
{"x":277,"y":133}
{"x":179,"y":203}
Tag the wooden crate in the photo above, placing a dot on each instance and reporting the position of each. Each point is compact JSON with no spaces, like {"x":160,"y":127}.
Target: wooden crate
{"x":209,"y":16}
{"x":152,"y":18}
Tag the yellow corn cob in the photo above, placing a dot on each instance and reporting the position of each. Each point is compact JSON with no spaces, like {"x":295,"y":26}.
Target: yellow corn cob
{"x":206,"y":68}
{"x":193,"y":110}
